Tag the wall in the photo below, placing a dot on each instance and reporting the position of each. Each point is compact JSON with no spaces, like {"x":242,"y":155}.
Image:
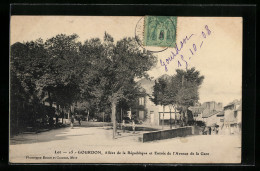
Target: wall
{"x":212,"y":120}
{"x":166,"y":134}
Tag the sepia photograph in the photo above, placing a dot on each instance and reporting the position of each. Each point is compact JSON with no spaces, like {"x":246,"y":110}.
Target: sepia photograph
{"x":125,"y":89}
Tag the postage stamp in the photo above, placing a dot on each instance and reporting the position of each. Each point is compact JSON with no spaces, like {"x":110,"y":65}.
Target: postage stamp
{"x":160,"y":31}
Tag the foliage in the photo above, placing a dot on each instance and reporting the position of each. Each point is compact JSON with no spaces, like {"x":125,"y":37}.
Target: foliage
{"x":180,"y":90}
{"x":190,"y":82}
{"x":200,"y":123}
{"x":98,"y":74}
{"x":115,"y":67}
{"x":160,"y":92}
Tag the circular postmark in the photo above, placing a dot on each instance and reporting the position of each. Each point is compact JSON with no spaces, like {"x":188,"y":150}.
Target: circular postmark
{"x":156,"y":34}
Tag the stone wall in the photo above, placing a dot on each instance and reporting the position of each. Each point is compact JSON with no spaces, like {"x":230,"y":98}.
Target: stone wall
{"x":166,"y":134}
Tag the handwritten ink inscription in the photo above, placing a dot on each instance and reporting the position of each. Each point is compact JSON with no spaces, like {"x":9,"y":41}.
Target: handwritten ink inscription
{"x":178,"y":49}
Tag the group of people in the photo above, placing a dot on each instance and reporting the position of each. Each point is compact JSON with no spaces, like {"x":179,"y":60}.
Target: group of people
{"x":210,"y":131}
{"x":72,"y":120}
{"x":124,"y":126}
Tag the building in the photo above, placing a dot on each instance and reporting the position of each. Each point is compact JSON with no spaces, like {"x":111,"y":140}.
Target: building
{"x":145,"y":110}
{"x":215,"y":119}
{"x":232,"y":117}
{"x":197,"y":112}
{"x":206,"y":110}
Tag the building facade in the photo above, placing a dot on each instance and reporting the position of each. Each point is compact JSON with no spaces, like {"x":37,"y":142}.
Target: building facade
{"x":233,"y":117}
{"x":145,"y":110}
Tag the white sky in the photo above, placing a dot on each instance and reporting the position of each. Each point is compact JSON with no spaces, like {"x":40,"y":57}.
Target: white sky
{"x":219,"y":59}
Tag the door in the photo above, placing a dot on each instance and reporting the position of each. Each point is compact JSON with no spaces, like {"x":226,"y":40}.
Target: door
{"x":141,"y":114}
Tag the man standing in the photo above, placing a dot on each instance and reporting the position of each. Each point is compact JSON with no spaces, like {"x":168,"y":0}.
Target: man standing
{"x":217,"y":130}
{"x":133,"y":126}
{"x":72,"y":121}
{"x":79,"y":119}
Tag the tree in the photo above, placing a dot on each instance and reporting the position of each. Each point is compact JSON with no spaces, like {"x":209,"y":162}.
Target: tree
{"x":54,"y":66}
{"x":115,"y":67}
{"x":62,"y":70}
{"x":181,"y":90}
{"x":99,"y":73}
{"x":171,"y":95}
{"x":188,"y":93}
{"x":187,"y":83}
{"x":26,"y":66}
{"x":160,"y":96}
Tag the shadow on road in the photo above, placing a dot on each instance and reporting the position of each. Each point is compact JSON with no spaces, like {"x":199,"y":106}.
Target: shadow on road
{"x":52,"y":135}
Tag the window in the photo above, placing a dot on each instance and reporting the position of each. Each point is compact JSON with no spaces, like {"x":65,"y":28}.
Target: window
{"x":141,"y":114}
{"x":152,"y":116}
{"x":235,"y":114}
{"x":141,"y":100}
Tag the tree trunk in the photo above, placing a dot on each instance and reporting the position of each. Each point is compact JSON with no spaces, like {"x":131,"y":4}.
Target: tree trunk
{"x":63,"y":115}
{"x":17,"y":116}
{"x":73,"y":107}
{"x":121,"y":118}
{"x":103,"y":114}
{"x":50,"y":100}
{"x":175,"y":120}
{"x":113,"y":117}
{"x":88,"y":116}
{"x":186,"y":117}
{"x":170,"y":119}
{"x":163,"y":118}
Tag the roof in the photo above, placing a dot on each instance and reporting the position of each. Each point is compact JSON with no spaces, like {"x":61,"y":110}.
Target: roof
{"x":196,"y":109}
{"x":221,"y":113}
{"x":147,"y":85}
{"x":208,"y":113}
{"x":239,"y":108}
{"x":235,"y":102}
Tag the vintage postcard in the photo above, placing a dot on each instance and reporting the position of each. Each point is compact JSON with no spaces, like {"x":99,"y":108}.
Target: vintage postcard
{"x":122,"y":89}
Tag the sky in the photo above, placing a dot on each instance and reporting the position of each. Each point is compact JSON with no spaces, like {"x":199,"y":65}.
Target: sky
{"x":218,"y":58}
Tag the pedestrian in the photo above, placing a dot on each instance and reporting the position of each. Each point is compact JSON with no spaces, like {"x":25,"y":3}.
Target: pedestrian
{"x":209,"y":130}
{"x":133,"y":126}
{"x":72,"y":121}
{"x":216,"y":130}
{"x":79,"y":120}
{"x":51,"y":121}
{"x":205,"y":130}
{"x":123,"y":125}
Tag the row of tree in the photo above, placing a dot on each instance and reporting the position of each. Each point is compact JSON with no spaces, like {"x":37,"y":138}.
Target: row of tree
{"x":99,"y":73}
{"x":179,"y":91}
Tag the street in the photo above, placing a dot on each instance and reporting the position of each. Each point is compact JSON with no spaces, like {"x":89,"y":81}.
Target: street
{"x":95,"y":144}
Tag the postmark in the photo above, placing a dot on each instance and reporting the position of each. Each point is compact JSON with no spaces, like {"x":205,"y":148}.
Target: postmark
{"x":160,"y":31}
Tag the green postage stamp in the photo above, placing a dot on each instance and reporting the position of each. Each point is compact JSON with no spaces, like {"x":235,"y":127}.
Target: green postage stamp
{"x":160,"y":31}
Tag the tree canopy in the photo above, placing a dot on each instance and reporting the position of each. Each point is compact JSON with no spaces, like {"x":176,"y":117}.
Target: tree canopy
{"x":98,"y":72}
{"x":180,"y":90}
